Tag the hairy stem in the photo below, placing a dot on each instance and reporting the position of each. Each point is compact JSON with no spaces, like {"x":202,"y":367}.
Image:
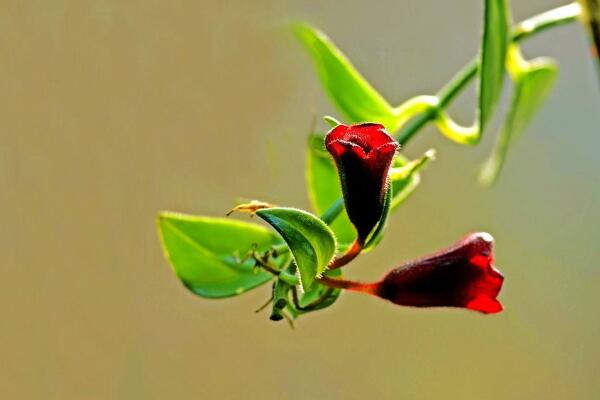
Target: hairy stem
{"x":352,"y":252}
{"x":335,"y":283}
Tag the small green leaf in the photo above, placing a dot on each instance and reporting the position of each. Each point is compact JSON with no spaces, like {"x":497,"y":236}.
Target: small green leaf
{"x":331,"y":121}
{"x":494,"y":45}
{"x":324,"y":189}
{"x":321,"y":293}
{"x":404,"y":179}
{"x":404,"y":176}
{"x":311,"y":242}
{"x":204,"y":251}
{"x":347,"y":88}
{"x":533,"y":83}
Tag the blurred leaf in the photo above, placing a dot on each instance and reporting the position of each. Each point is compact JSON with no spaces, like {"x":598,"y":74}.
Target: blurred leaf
{"x":331,"y":121}
{"x":324,"y":188}
{"x":494,"y":45}
{"x":346,"y":87}
{"x":311,"y":242}
{"x":404,"y":176}
{"x":404,"y":179}
{"x":203,"y":251}
{"x":533,"y":83}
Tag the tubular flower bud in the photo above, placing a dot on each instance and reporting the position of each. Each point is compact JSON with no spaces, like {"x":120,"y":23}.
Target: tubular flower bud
{"x":363,"y":155}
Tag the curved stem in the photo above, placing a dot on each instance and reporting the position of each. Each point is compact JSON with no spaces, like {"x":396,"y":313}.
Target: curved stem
{"x":523,"y":30}
{"x":350,"y":254}
{"x":283,"y":274}
{"x":369,"y":288}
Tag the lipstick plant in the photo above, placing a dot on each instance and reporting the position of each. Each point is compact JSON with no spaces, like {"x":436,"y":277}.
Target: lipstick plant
{"x":356,"y":178}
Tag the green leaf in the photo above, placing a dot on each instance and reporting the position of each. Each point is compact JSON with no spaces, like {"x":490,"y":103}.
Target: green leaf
{"x":324,"y":189}
{"x":494,"y":45}
{"x":315,"y":293}
{"x":533,"y":83}
{"x":405,"y":177}
{"x":346,"y":87}
{"x":203,"y":252}
{"x":311,"y":242}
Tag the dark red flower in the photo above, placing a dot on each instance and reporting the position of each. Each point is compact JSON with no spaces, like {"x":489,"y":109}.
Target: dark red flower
{"x":363,"y":155}
{"x":460,"y":276}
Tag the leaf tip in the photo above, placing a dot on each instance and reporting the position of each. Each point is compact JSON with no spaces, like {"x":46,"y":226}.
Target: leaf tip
{"x":430,"y":154}
{"x":331,"y":121}
{"x":251,"y":208}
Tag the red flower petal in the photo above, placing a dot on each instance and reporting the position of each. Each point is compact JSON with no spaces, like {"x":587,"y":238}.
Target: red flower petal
{"x":460,"y":276}
{"x":368,"y":135}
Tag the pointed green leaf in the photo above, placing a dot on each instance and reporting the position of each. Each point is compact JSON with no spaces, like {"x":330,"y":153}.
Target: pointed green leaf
{"x":204,"y":251}
{"x":311,"y":242}
{"x":347,"y":88}
{"x":494,"y":45}
{"x":405,"y":177}
{"x":532,"y":86}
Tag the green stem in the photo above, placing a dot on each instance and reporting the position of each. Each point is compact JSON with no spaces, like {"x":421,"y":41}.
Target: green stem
{"x":333,"y":211}
{"x":289,"y":278}
{"x":523,"y":30}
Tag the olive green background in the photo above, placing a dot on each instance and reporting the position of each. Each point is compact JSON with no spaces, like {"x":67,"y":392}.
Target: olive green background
{"x":113,"y":110}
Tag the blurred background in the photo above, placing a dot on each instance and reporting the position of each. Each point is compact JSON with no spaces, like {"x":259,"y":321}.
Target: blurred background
{"x":112,"y":111}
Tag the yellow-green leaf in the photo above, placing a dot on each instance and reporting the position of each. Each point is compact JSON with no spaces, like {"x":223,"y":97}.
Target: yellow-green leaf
{"x":348,"y":89}
{"x":205,"y":253}
{"x":532,"y":86}
{"x":494,"y":46}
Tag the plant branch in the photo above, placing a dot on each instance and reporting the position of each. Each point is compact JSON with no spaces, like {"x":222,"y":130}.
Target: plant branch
{"x":338,"y":283}
{"x":521,"y":31}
